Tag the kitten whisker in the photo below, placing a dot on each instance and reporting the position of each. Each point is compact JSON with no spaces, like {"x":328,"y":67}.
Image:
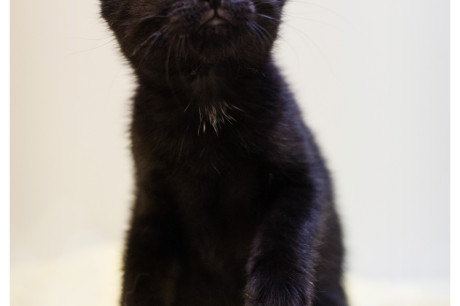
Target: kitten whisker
{"x":152,"y":36}
{"x":268,"y":17}
{"x":265,"y":31}
{"x":261,"y":35}
{"x":167,"y":71}
{"x":150,"y":17}
{"x":254,"y":31}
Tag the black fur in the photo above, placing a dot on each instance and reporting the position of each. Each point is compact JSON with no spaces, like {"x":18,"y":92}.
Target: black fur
{"x":233,"y":201}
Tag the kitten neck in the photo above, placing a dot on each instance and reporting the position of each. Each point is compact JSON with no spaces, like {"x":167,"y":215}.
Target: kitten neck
{"x":203,"y":81}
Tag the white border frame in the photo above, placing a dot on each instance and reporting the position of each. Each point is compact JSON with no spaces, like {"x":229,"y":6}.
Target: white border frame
{"x":454,"y":151}
{"x":5,"y":152}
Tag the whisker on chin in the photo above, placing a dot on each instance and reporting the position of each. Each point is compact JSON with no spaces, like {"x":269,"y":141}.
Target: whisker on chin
{"x":178,"y":52}
{"x":151,"y":17}
{"x":258,"y":30}
{"x":168,"y":77}
{"x":151,"y":42}
{"x":152,"y":36}
{"x":268,"y":17}
{"x":265,"y":31}
{"x":253,"y":30}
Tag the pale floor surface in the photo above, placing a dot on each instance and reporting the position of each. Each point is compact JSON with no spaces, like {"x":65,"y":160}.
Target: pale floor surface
{"x":91,"y":278}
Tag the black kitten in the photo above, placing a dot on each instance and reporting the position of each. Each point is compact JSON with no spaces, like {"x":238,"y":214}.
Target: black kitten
{"x":233,"y":201}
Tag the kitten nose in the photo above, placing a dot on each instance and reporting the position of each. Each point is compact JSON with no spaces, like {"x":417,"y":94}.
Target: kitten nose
{"x":214,"y":3}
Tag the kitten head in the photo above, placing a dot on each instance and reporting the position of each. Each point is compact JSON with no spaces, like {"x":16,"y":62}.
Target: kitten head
{"x":157,"y":33}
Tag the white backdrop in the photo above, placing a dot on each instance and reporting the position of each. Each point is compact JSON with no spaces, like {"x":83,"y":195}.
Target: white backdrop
{"x":371,"y":76}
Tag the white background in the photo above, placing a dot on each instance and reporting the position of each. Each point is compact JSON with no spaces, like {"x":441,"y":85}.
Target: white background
{"x":371,"y":77}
